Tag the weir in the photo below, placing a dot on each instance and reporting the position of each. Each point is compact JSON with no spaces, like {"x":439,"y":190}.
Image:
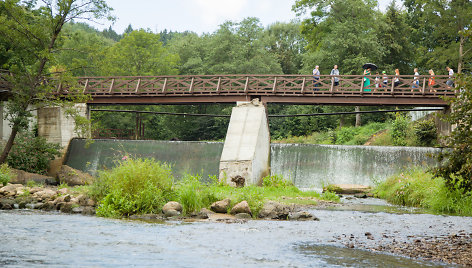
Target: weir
{"x":306,"y":165}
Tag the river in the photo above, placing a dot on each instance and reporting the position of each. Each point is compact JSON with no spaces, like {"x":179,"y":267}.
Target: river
{"x":42,"y":239}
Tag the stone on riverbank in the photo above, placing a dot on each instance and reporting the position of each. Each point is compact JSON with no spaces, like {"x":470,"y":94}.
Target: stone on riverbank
{"x":275,"y":211}
{"x":73,"y":177}
{"x":172,"y":209}
{"x":6,"y":203}
{"x":45,"y":194}
{"x":302,"y":216}
{"x":221,"y":206}
{"x":347,"y":188}
{"x":23,"y":177}
{"x":241,"y":207}
{"x":10,"y":189}
{"x":243,"y":216}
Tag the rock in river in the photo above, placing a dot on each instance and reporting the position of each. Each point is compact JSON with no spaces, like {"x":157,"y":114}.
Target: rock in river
{"x":241,"y":207}
{"x":221,"y":206}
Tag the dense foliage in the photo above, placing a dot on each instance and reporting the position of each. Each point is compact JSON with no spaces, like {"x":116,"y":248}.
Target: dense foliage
{"x":422,"y":189}
{"x":32,"y":154}
{"x":456,"y":167}
{"x":134,"y":186}
{"x":5,"y":174}
{"x":30,"y":41}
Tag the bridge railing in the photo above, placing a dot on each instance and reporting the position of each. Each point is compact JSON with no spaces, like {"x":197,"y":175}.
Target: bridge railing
{"x":347,"y":85}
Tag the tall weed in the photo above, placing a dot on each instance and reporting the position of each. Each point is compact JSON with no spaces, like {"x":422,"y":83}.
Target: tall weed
{"x":418,"y":188}
{"x":135,"y":186}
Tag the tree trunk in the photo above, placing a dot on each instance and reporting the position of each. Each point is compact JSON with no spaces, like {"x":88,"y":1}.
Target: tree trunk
{"x":358,"y":117}
{"x":461,"y":54}
{"x":341,"y":121}
{"x":9,"y":144}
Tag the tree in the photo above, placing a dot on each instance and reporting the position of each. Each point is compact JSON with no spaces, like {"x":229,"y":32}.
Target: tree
{"x":32,"y":35}
{"x":82,"y":50}
{"x":394,"y":36}
{"x":139,"y":53}
{"x":440,"y":32}
{"x":339,"y":32}
{"x":286,"y":42}
{"x":456,"y":164}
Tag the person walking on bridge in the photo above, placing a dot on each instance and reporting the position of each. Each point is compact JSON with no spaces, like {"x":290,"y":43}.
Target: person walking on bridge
{"x":416,"y":80}
{"x":367,"y":79}
{"x":335,"y":71}
{"x":316,"y":77}
{"x":431,"y":81}
{"x":397,"y":78}
{"x":450,"y":81}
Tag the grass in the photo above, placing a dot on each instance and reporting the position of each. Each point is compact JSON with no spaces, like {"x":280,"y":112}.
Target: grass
{"x":377,"y":134}
{"x":419,"y":188}
{"x":340,"y":136}
{"x":144,"y":186}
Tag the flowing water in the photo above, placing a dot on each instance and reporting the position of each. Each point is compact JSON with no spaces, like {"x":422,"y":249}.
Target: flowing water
{"x":33,"y":238}
{"x":308,"y":166}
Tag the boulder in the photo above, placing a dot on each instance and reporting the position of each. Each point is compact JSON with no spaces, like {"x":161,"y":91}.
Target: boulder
{"x":66,"y":207}
{"x":221,"y":206}
{"x":302,"y":216}
{"x":243,"y":216}
{"x":45,"y":194}
{"x":88,"y":211}
{"x":172,"y":205}
{"x":61,"y":199}
{"x":275,"y":211}
{"x":171,"y":213}
{"x":73,"y":177}
{"x":22,"y":177}
{"x":77,"y":210}
{"x":172,"y":209}
{"x":49,"y":205}
{"x":347,"y":188}
{"x":10,"y":189}
{"x":6,"y":203}
{"x":241,"y":207}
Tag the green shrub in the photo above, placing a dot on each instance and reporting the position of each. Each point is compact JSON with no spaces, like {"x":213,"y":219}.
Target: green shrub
{"x":194,"y":195}
{"x":425,"y":131}
{"x":135,"y":186}
{"x":399,"y":129}
{"x":5,"y":174}
{"x":420,"y":189}
{"x":275,"y":181}
{"x":32,"y":154}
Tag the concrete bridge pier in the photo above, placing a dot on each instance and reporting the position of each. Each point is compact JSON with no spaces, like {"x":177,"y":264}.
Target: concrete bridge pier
{"x":56,"y":126}
{"x":245,"y":159}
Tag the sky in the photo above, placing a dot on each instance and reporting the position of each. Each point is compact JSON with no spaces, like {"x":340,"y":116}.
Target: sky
{"x":200,"y":16}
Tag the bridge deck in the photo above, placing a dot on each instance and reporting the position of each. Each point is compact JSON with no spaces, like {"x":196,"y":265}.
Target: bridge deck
{"x":289,"y":89}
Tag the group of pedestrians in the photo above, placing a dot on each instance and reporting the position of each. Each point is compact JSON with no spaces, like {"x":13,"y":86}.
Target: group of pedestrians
{"x":378,"y":83}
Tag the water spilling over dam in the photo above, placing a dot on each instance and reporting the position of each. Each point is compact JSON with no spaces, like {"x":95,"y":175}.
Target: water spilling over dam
{"x":308,"y":166}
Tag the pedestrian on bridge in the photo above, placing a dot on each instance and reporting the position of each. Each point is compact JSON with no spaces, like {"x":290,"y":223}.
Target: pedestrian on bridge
{"x":450,"y":82}
{"x":416,"y":80}
{"x":367,"y":80}
{"x":397,"y":78}
{"x":385,"y":78}
{"x":335,"y":71}
{"x":316,"y":77}
{"x":431,"y":81}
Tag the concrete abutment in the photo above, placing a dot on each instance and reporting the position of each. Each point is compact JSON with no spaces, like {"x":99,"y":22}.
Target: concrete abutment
{"x":245,"y":159}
